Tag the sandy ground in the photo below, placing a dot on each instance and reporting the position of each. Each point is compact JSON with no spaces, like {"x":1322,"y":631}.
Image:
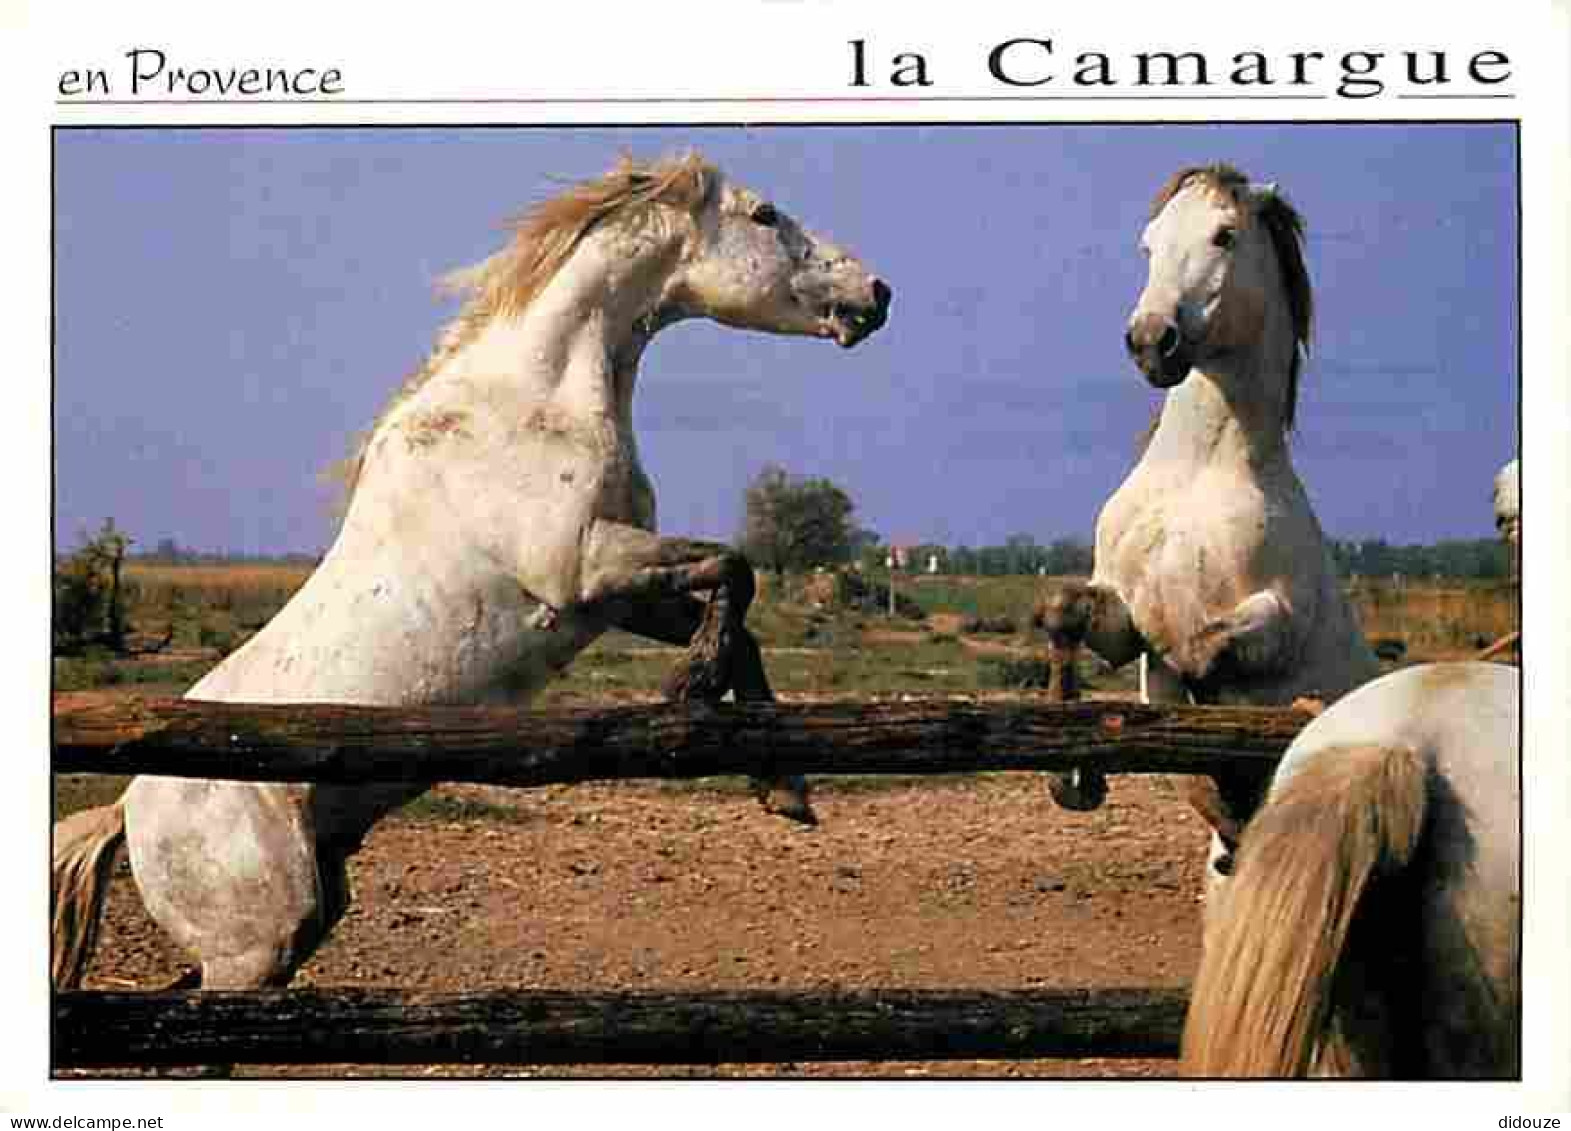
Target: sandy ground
{"x":982,"y":883}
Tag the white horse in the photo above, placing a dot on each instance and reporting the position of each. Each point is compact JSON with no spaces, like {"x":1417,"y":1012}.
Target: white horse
{"x":1508,"y":510}
{"x":1372,"y":924}
{"x":1209,"y":557}
{"x":499,"y":522}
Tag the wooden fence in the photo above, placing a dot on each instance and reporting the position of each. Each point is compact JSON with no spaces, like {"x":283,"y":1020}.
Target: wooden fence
{"x":532,"y":748}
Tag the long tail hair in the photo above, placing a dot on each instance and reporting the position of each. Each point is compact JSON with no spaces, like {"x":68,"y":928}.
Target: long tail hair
{"x":84,"y":856}
{"x":1262,"y":1001}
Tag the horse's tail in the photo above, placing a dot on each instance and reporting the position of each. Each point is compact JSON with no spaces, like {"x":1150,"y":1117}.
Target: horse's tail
{"x":84,"y":855}
{"x":1261,"y":1001}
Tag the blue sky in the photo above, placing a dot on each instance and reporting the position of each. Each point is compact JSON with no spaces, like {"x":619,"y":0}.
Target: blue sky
{"x":232,"y":306}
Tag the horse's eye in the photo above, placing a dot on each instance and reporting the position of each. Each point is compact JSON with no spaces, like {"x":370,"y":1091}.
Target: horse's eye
{"x":1225,"y":237}
{"x":765,"y":214}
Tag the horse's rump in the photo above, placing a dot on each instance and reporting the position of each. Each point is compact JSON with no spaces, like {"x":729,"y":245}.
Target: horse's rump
{"x":1263,"y":999}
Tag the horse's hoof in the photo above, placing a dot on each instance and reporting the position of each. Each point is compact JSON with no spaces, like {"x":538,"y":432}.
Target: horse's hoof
{"x":784,"y":800}
{"x":1079,"y":790}
{"x":189,"y":978}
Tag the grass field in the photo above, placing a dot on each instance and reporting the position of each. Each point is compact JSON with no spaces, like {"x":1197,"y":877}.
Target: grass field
{"x":815,"y":645}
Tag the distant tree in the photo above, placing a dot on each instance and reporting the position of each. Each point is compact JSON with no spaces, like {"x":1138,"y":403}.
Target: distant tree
{"x":89,"y":607}
{"x":1017,"y":554}
{"x":169,"y":550}
{"x":1067,"y":557}
{"x":1477,"y":558}
{"x":866,"y":548}
{"x":791,"y":523}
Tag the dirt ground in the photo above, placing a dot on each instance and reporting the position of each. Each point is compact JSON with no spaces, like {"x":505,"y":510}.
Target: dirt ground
{"x":980,"y":883}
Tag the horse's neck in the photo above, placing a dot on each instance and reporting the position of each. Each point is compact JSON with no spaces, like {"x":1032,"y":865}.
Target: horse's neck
{"x":1201,"y":427}
{"x":577,"y":344}
{"x":1230,"y":412}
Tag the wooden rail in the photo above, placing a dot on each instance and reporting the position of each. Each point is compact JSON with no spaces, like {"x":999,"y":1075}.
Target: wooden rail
{"x":94,"y":1029}
{"x":505,"y":746}
{"x":530,"y":748}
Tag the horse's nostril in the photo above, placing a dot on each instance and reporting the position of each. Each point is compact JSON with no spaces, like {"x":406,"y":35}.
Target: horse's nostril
{"x":1169,"y":341}
{"x":1129,"y":341}
{"x":882,"y":294}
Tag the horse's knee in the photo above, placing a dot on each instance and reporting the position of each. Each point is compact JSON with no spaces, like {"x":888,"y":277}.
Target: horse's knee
{"x":1064,"y":614}
{"x":257,"y":969}
{"x":740,"y":581}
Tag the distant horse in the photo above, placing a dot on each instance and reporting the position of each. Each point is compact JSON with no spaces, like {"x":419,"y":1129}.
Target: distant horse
{"x":498,"y":522}
{"x":1209,"y":557}
{"x":1372,"y":924}
{"x":1508,"y":510}
{"x":1508,"y":522}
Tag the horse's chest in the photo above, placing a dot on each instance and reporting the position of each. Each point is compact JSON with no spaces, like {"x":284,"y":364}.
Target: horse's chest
{"x":594,"y":475}
{"x":1180,"y":558}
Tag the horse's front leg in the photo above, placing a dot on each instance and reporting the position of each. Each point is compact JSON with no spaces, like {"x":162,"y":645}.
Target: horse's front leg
{"x":1094,"y":615}
{"x":1253,"y":639}
{"x":645,"y":584}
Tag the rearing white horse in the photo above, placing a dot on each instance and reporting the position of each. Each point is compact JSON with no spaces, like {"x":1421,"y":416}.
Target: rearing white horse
{"x":1209,"y":557}
{"x":499,"y":521}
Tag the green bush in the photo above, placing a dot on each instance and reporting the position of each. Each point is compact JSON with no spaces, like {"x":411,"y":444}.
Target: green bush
{"x":222,"y":639}
{"x":89,"y":602}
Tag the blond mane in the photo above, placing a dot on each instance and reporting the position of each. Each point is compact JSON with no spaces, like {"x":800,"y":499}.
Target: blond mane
{"x":543,"y":238}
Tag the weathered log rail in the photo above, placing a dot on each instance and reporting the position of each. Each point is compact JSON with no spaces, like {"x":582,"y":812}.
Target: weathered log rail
{"x":537,"y":1027}
{"x":532,"y":748}
{"x":504,"y":746}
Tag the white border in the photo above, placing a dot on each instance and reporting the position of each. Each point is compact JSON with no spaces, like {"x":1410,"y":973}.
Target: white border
{"x":785,"y":48}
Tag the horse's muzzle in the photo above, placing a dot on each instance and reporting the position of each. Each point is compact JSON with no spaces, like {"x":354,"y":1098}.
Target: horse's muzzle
{"x":855,"y":322}
{"x":1159,"y":349}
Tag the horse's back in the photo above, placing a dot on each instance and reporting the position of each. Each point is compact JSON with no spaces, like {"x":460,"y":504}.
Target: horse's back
{"x":1464,"y":720}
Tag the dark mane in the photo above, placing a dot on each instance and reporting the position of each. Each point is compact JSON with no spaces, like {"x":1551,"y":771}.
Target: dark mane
{"x":1286,"y":228}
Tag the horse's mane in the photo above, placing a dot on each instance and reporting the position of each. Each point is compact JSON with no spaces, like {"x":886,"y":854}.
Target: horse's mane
{"x":543,"y":238}
{"x":1286,"y":228}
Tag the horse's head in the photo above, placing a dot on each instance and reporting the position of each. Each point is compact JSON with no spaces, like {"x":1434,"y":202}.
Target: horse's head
{"x":1508,"y":510}
{"x":748,"y":264}
{"x":1221,"y":252}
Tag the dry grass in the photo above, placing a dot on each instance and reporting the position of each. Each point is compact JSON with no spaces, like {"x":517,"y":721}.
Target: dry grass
{"x":218,"y":581}
{"x":813,"y":650}
{"x":1436,"y":620}
{"x":210,"y":610}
